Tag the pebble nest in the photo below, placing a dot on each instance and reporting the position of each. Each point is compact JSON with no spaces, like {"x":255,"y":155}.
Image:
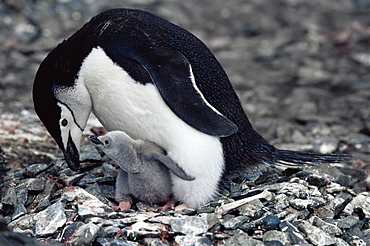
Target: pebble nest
{"x":314,"y":205}
{"x":301,"y":70}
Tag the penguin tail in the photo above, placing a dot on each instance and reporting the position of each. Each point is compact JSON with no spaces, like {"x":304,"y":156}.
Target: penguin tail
{"x":294,"y":158}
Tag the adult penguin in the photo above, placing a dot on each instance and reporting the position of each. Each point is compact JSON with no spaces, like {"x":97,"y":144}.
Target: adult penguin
{"x":156,"y":81}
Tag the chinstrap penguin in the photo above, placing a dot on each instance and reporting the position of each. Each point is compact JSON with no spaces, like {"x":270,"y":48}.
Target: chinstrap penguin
{"x":144,"y":169}
{"x":156,"y":81}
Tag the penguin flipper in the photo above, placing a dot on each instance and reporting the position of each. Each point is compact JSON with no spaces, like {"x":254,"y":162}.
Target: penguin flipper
{"x":170,"y":164}
{"x":172,"y":74}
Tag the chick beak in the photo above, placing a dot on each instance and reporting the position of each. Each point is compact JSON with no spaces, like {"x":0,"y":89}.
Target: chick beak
{"x":95,"y":139}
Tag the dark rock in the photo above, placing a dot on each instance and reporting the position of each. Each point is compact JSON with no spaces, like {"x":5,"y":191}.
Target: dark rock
{"x":22,"y":195}
{"x":347,"y":222}
{"x":19,"y":211}
{"x":87,"y":180}
{"x":33,"y":184}
{"x":84,"y":235}
{"x":70,"y":229}
{"x":108,"y":191}
{"x":89,"y":153}
{"x":271,"y":222}
{"x":317,"y":180}
{"x":33,"y":170}
{"x":345,"y":180}
{"x":95,"y":190}
{"x":9,"y":196}
{"x":108,"y":231}
{"x":43,"y":204}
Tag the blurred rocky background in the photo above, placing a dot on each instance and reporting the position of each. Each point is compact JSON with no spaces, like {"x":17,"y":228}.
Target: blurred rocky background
{"x":301,"y":69}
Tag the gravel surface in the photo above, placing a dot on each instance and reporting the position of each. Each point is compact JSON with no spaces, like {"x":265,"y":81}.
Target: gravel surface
{"x":300,"y":68}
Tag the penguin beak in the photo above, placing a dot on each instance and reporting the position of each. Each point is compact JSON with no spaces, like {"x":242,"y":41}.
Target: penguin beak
{"x":72,"y":155}
{"x":95,"y":139}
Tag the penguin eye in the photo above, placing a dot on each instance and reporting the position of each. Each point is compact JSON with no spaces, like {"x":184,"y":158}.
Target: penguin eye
{"x":106,"y":142}
{"x":64,"y":122}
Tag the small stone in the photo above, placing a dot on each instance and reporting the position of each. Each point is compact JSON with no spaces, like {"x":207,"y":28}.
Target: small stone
{"x":333,"y":188}
{"x":211,"y":219}
{"x":49,"y":191}
{"x":34,"y":169}
{"x":294,"y":235}
{"x":340,"y":242}
{"x":234,"y":223}
{"x":97,"y":220}
{"x":187,"y":211}
{"x":251,"y":208}
{"x":317,"y":180}
{"x":194,"y":225}
{"x":95,"y":190}
{"x":9,"y":196}
{"x":84,"y":235}
{"x":315,"y":234}
{"x":345,"y":180}
{"x":22,"y":195}
{"x":88,"y":205}
{"x":23,"y":224}
{"x":42,"y":205}
{"x":121,"y":242}
{"x":193,"y":240}
{"x":34,"y":184}
{"x":325,"y":226}
{"x":89,"y":153}
{"x":50,"y":219}
{"x":362,"y":200}
{"x":157,"y":243}
{"x":143,"y":229}
{"x":356,"y":241}
{"x":15,"y":176}
{"x":87,"y":180}
{"x":19,"y":211}
{"x":71,"y":180}
{"x":108,"y":231}
{"x":347,"y":222}
{"x":271,"y":222}
{"x":281,"y":202}
{"x":108,"y":191}
{"x":301,"y":204}
{"x":70,"y":228}
{"x":274,"y":236}
{"x":243,"y":239}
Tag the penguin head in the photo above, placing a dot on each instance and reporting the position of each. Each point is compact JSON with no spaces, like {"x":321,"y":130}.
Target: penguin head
{"x":61,"y":101}
{"x":115,"y":144}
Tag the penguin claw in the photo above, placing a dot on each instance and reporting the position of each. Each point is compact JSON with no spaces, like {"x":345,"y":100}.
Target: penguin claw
{"x":123,"y":206}
{"x":181,"y":207}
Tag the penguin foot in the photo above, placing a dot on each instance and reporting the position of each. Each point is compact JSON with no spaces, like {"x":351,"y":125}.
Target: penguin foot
{"x":122,"y":206}
{"x":181,"y":207}
{"x":170,"y":205}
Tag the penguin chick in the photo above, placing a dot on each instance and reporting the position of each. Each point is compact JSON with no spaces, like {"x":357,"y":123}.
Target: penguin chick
{"x":144,"y":169}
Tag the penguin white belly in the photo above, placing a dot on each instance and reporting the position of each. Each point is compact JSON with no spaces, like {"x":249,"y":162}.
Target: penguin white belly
{"x":121,"y":103}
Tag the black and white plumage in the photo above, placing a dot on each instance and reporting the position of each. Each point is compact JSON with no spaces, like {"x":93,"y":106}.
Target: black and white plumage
{"x":157,"y":82}
{"x":144,"y":168}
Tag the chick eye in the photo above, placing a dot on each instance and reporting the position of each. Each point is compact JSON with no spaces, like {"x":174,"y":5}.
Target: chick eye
{"x":64,"y":122}
{"x":106,"y":142}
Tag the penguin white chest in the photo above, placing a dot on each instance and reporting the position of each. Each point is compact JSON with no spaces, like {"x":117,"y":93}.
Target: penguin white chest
{"x":121,"y":103}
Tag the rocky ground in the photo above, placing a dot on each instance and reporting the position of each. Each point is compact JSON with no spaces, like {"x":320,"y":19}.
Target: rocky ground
{"x":301,"y":69}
